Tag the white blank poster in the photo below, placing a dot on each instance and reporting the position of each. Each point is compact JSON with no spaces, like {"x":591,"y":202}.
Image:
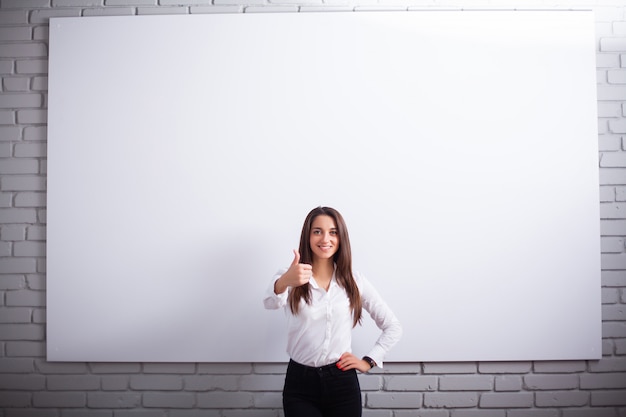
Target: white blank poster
{"x":185,"y":152}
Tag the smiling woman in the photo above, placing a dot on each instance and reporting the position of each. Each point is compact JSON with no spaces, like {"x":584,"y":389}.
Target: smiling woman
{"x":324,"y":299}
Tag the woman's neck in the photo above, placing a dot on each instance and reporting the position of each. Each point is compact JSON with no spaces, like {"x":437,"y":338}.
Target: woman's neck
{"x":323,"y":271}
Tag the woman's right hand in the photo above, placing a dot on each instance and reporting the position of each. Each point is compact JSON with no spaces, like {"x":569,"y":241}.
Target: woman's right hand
{"x":297,"y":274}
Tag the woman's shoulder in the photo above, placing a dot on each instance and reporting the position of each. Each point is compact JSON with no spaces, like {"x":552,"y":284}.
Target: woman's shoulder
{"x":359,"y":278}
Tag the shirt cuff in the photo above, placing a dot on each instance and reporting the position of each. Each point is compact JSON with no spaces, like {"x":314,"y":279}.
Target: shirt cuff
{"x":377,"y":354}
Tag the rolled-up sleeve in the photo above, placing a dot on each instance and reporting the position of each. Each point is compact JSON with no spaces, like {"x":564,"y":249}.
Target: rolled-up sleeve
{"x":273,"y":301}
{"x":384,"y":318}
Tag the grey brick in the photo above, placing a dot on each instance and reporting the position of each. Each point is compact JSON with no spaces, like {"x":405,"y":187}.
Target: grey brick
{"x":612,"y":176}
{"x":451,"y":399}
{"x":507,"y":400}
{"x":551,"y":382}
{"x":22,"y":382}
{"x":87,"y":413}
{"x":30,"y":150}
{"x":225,"y":400}
{"x":168,"y":399}
{"x":268,"y":400}
{"x":560,"y":366}
{"x":22,"y":331}
{"x":15,"y":315}
{"x":612,"y":398}
{"x":23,"y":50}
{"x":32,"y":66}
{"x":6,"y":200}
{"x":23,"y":183}
{"x":13,"y":17}
{"x":40,"y":84}
{"x":113,"y":399}
{"x":613,"y":44}
{"x":63,"y":399}
{"x":141,"y":413}
{"x":17,"y":4}
{"x":466,"y":383}
{"x":12,"y":282}
{"x":130,"y":2}
{"x":36,"y":282}
{"x":5,"y":249}
{"x":26,"y":349}
{"x":32,"y":116}
{"x":12,"y":232}
{"x":10,"y":133}
{"x":115,"y":382}
{"x":36,"y":133}
{"x":16,"y":84}
{"x":109,"y":11}
{"x":39,"y":316}
{"x":73,"y":382}
{"x":411,"y":383}
{"x":161,"y":10}
{"x":19,"y":166}
{"x":17,"y":265}
{"x":534,"y":413}
{"x":504,"y":367}
{"x":614,"y":312}
{"x":603,"y":381}
{"x":15,"y":33}
{"x":561,"y":399}
{"x":199,"y":413}
{"x":26,"y":298}
{"x":43,"y":15}
{"x":418,"y":413}
{"x":20,"y":100}
{"x":478,"y":413}
{"x":370,"y":382}
{"x":262,"y":382}
{"x":115,"y":368}
{"x":211,"y":382}
{"x":19,"y":399}
{"x":77,"y":3}
{"x":393,"y":399}
{"x":16,"y":365}
{"x":29,"y":248}
{"x":46,"y":367}
{"x":36,"y":233}
{"x":156,"y":382}
{"x":7,"y":117}
{"x":610,"y":295}
{"x":589,"y":412}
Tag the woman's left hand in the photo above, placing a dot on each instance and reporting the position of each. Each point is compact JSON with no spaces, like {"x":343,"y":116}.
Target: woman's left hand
{"x":349,"y":361}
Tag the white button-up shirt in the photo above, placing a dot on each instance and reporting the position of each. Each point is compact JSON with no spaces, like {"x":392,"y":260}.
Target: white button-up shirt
{"x":322,"y":331}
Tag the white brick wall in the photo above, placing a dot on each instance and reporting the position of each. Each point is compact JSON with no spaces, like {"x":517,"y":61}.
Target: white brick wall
{"x":30,"y":386}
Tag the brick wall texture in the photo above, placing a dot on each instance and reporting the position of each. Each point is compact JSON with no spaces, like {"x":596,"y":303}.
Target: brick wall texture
{"x":31,"y":386}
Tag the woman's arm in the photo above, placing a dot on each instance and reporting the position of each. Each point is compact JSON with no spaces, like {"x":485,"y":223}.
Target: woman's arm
{"x":384,"y":318}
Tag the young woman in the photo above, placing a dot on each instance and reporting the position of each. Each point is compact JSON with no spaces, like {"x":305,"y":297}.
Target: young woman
{"x":323,"y":299}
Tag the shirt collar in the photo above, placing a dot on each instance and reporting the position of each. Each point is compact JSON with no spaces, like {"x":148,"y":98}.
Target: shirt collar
{"x":333,"y":280}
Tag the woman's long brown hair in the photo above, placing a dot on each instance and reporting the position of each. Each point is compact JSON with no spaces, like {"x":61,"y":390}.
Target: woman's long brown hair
{"x":342,"y":259}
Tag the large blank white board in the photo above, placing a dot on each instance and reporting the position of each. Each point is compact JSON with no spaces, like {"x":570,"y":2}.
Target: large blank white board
{"x":185,"y":151}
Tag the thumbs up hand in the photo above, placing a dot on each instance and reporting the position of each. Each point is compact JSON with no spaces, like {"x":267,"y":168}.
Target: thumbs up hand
{"x":298,"y":274}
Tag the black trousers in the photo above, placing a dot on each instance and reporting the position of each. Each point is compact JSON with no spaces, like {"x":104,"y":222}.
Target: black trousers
{"x":324,"y":391}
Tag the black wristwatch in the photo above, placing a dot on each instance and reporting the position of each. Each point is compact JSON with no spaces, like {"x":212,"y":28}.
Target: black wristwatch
{"x":370,"y":361}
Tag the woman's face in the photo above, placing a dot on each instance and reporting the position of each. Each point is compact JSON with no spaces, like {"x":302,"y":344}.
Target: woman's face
{"x":324,"y":239}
